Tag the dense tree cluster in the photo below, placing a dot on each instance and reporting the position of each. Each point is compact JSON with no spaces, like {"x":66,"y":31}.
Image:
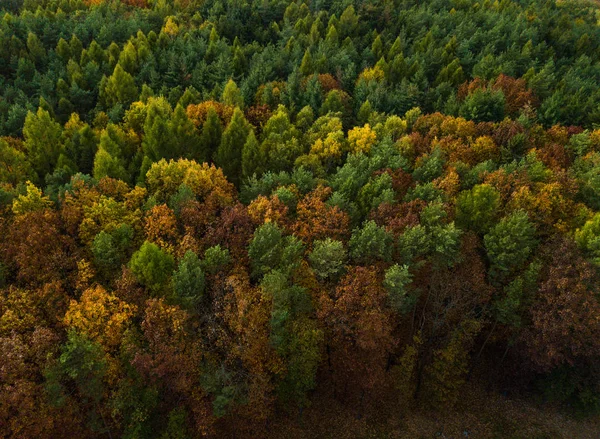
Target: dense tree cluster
{"x":210,"y":211}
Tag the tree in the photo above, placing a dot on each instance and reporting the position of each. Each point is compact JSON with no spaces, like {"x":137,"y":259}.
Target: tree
{"x":42,"y":142}
{"x":159,"y":141}
{"x":315,"y":219}
{"x":251,"y":157}
{"x":81,"y":148}
{"x":119,"y":88}
{"x":269,"y":249}
{"x":188,"y":281}
{"x":81,"y":367}
{"x":152,"y":266}
{"x":371,"y":243}
{"x":484,"y":106}
{"x":110,"y":249}
{"x":361,"y":139}
{"x":14,"y":167}
{"x":185,"y":142}
{"x":110,"y":157}
{"x":231,"y":95}
{"x":211,"y":135}
{"x":509,"y":244}
{"x":215,"y":259}
{"x":395,"y":282}
{"x":588,"y":238}
{"x":477,"y":209}
{"x":564,"y":324}
{"x":32,"y":201}
{"x":328,"y":259}
{"x":108,"y":165}
{"x":306,"y":66}
{"x":281,"y":145}
{"x":230,"y":151}
{"x":100,"y":316}
{"x":359,"y":330}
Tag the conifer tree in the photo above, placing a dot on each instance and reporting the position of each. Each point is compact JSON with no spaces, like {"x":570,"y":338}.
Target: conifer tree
{"x":251,"y":157}
{"x":211,"y":135}
{"x":229,"y":154}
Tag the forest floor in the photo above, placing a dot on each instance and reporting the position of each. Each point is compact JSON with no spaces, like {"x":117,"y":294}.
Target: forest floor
{"x":479,"y":415}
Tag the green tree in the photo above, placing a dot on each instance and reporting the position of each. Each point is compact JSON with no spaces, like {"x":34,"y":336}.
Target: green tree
{"x":328,"y":259}
{"x":509,"y":244}
{"x":215,"y":259}
{"x":269,"y":249}
{"x":251,"y":156}
{"x":159,"y":141}
{"x":109,"y":160}
{"x":211,"y":135}
{"x":476,"y":209}
{"x":371,"y":243}
{"x":152,"y":266}
{"x":119,"y":88}
{"x":307,"y":64}
{"x":281,"y":145}
{"x":110,"y":250}
{"x":14,"y":167}
{"x":232,"y":95}
{"x":42,"y":142}
{"x":396,"y":280}
{"x":185,"y":141}
{"x":79,"y":371}
{"x":588,"y":238}
{"x":188,"y":281}
{"x":230,"y":151}
{"x":484,"y":105}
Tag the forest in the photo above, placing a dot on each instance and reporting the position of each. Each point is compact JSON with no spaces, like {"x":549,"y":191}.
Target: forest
{"x":308,"y":219}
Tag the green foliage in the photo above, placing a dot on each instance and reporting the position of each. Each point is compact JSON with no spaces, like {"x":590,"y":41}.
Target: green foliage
{"x":211,"y":136}
{"x":434,"y":238}
{"x":229,"y":155}
{"x":395,"y":282}
{"x":188,"y":281}
{"x":588,"y":238}
{"x":232,"y":96}
{"x":477,"y":208}
{"x":215,"y":259}
{"x":484,"y":106}
{"x":371,"y":243}
{"x":152,"y":266}
{"x":110,"y":249}
{"x":270,"y":249}
{"x":417,"y":133}
{"x":42,"y":141}
{"x":328,"y":259}
{"x":81,"y":366}
{"x":509,"y":244}
{"x":119,"y":88}
{"x":251,"y":157}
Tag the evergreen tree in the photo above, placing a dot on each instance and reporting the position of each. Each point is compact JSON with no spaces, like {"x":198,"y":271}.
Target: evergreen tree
{"x":229,"y":154}
{"x":42,"y":142}
{"x":211,"y":135}
{"x":231,"y":95}
{"x":251,"y":156}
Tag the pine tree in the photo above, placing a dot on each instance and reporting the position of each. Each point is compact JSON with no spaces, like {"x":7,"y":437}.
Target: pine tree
{"x":42,"y":141}
{"x":119,"y":88}
{"x":229,"y":154}
{"x":185,"y":141}
{"x":109,"y":160}
{"x":231,"y":95}
{"x":307,"y":65}
{"x":211,"y":135}
{"x":251,"y":157}
{"x":158,"y":138}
